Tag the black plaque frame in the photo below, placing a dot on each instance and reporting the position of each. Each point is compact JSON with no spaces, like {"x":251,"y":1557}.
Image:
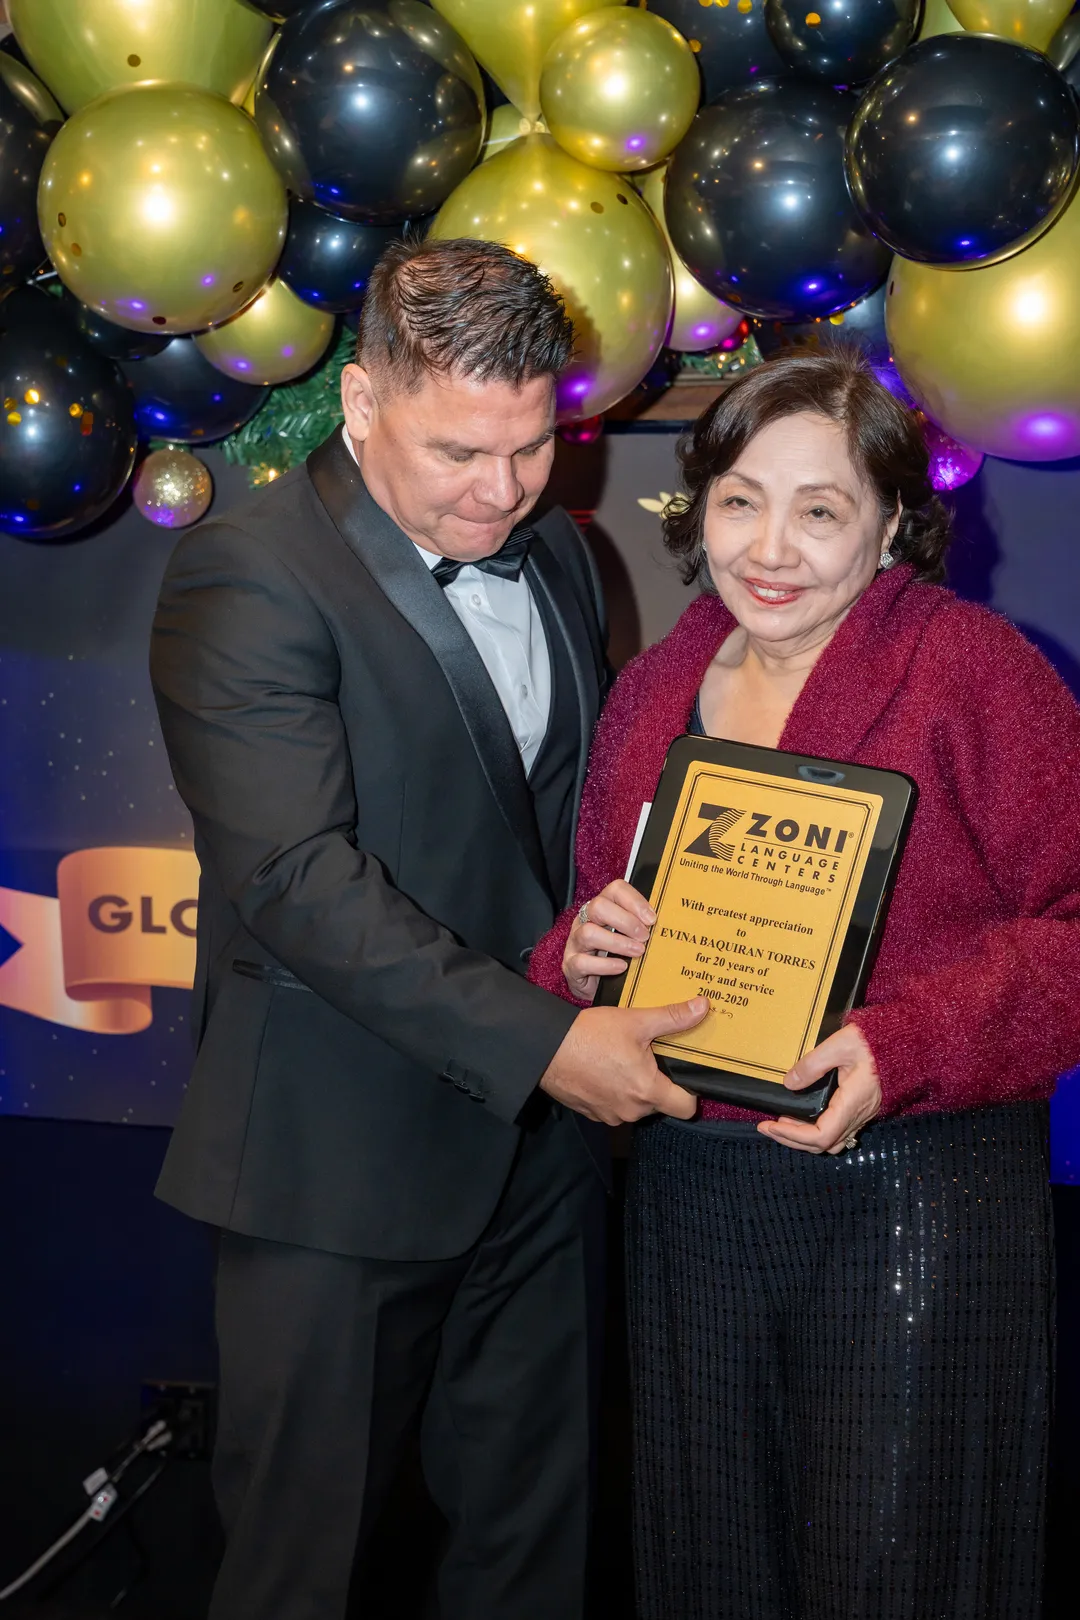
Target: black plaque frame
{"x":898,"y":794}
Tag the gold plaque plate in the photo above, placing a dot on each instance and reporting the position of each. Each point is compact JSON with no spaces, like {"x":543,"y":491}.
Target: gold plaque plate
{"x":769,"y":874}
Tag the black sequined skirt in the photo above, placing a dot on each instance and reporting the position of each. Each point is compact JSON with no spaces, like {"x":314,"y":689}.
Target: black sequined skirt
{"x":842,"y":1371}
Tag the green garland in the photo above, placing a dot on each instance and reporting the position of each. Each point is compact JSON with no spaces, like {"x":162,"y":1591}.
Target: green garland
{"x":293,"y":420}
{"x":718,"y":365}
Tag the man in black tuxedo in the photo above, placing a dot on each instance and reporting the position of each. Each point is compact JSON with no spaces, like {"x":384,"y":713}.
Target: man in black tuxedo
{"x":377,"y":686}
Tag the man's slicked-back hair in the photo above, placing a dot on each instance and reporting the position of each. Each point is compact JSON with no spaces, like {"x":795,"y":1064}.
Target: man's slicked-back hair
{"x":463,"y":306}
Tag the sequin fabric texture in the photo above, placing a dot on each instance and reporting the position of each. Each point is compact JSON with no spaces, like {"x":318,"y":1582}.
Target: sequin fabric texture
{"x":841,"y":1371}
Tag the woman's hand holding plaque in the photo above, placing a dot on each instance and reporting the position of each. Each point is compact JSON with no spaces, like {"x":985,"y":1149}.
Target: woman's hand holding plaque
{"x":854,"y":1103}
{"x":607,"y":932}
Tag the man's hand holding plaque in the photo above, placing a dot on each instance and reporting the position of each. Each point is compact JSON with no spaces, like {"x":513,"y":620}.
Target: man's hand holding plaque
{"x":605,"y":1068}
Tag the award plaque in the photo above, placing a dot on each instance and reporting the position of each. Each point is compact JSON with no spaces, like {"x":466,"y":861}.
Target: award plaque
{"x":770,"y":874}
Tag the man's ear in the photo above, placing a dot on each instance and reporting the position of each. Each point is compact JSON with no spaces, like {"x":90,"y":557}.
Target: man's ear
{"x":357,"y":402}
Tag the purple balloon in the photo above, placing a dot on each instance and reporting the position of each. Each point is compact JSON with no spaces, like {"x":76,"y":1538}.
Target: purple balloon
{"x":951,"y":463}
{"x":586,"y":431}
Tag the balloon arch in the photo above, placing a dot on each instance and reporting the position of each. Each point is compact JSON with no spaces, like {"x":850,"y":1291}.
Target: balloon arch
{"x":193,"y":195}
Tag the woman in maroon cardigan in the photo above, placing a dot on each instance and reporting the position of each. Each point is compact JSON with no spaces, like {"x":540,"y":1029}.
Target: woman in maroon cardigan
{"x":841,"y":1332}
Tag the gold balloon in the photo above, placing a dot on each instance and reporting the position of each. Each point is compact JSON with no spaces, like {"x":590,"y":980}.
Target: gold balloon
{"x":506,"y":124}
{"x":938,"y":19}
{"x":593,"y":235}
{"x":248,"y":103}
{"x":172,"y":488}
{"x":994,"y":353}
{"x":160,"y":208}
{"x":275,"y":338}
{"x":620,"y":89}
{"x":28,"y":88}
{"x":511,"y":38}
{"x":1025,"y":22}
{"x":81,"y":48}
{"x":1063,"y":47}
{"x":699,"y":321}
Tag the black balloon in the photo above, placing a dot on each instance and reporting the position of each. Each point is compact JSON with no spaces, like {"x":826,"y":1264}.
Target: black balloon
{"x":29,"y":118}
{"x":964,"y":150}
{"x":861,"y":327}
{"x":756,"y":203}
{"x":732,"y":46}
{"x":180,"y":396}
{"x":67,"y":432}
{"x":374,"y":111}
{"x":847,"y":41}
{"x":118,"y":342}
{"x":280,"y":10}
{"x":328,"y":261}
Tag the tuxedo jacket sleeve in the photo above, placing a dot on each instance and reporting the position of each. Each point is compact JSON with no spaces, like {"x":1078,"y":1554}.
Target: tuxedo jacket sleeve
{"x":247,"y":674}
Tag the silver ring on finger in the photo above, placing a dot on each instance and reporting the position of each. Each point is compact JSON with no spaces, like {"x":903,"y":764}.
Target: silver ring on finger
{"x":583,"y":914}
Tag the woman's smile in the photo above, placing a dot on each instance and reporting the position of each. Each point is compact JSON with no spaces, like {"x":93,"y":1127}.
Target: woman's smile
{"x":773,"y":595}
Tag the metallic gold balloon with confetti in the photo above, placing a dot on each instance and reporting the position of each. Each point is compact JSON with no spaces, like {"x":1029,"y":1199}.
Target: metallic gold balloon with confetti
{"x":511,"y":38}
{"x":81,"y":48}
{"x":619,"y":89}
{"x":278,"y":336}
{"x":1025,"y":22}
{"x":160,"y":208}
{"x":698,"y":321}
{"x":172,"y":488}
{"x":600,"y":245}
{"x":993,"y":354}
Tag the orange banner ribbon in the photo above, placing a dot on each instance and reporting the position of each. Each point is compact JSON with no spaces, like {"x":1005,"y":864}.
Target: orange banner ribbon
{"x":123,"y":921}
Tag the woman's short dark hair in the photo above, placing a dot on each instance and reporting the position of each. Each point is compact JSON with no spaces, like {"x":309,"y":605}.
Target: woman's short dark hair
{"x":884,"y":442}
{"x":465,"y":306}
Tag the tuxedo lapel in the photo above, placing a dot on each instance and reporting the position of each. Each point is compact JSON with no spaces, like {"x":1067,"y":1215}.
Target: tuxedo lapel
{"x":548,"y":579}
{"x":390,"y":558}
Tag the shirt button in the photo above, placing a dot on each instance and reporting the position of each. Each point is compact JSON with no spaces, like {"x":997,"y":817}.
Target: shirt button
{"x":524,"y":691}
{"x":476,"y":599}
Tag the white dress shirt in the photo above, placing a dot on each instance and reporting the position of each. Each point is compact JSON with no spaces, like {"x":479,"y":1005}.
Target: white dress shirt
{"x":505,"y":627}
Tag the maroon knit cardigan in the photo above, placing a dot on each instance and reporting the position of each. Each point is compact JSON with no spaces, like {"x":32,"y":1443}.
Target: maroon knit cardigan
{"x":975,"y":998}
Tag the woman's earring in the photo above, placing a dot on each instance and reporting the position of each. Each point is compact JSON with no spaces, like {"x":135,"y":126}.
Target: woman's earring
{"x":887,"y":560}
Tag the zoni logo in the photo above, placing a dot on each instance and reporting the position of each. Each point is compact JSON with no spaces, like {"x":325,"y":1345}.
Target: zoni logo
{"x":711,"y":842}
{"x":782,"y":835}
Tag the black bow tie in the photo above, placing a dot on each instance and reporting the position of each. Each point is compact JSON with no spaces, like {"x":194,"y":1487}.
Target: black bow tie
{"x":506,"y":562}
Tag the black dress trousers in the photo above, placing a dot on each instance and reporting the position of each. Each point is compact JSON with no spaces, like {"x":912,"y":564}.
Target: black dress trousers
{"x":326,"y":1361}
